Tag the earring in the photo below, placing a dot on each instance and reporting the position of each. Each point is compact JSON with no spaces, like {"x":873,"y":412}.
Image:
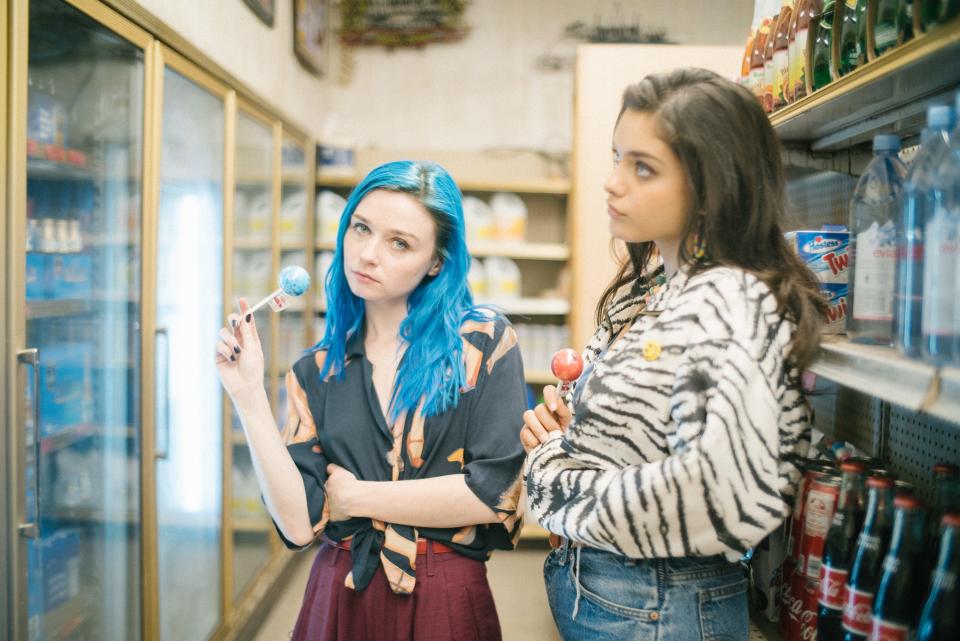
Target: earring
{"x":699,"y":245}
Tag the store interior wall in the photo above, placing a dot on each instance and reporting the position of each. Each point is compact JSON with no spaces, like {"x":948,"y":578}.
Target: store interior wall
{"x":486,"y":91}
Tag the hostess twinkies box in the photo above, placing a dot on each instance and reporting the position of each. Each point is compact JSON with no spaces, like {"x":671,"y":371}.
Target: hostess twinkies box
{"x":826,"y":253}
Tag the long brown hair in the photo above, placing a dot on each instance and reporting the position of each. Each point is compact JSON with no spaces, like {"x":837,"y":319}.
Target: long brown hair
{"x":731,"y":157}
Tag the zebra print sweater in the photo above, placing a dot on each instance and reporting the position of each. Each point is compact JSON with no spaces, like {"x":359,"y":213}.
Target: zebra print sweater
{"x":687,"y":432}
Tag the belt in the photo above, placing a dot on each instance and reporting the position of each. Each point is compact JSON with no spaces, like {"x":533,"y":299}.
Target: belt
{"x":438,"y":547}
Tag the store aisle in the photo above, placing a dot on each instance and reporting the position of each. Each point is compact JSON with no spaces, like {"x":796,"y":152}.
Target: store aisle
{"x":515,"y":578}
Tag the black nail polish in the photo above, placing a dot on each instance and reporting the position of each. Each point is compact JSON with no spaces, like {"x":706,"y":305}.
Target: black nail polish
{"x":236,"y":349}
{"x":232,"y":357}
{"x":249,"y":317}
{"x":233,"y":323}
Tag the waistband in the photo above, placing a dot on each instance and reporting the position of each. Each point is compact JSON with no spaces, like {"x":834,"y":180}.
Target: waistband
{"x":438,"y":547}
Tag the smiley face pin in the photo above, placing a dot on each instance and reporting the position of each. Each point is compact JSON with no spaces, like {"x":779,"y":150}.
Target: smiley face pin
{"x":651,"y":350}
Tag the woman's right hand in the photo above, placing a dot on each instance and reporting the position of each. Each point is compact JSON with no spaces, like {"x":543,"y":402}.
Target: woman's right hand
{"x":239,"y":354}
{"x":546,"y":421}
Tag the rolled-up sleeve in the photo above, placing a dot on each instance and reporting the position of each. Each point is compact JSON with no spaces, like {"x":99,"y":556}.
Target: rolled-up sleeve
{"x":493,"y":457}
{"x":300,"y":435}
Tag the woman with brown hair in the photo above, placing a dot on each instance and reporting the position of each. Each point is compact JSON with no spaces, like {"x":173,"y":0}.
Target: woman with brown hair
{"x":679,"y":450}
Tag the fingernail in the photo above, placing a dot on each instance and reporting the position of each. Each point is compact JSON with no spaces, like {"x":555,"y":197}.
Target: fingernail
{"x":249,"y":317}
{"x":553,"y":407}
{"x":232,"y":357}
{"x":236,"y":349}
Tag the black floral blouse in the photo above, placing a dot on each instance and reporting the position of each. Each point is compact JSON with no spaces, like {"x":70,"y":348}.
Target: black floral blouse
{"x":340,"y":421}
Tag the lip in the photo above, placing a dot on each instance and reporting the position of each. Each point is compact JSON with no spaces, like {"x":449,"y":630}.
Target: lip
{"x":364,"y":277}
{"x":613,"y":212}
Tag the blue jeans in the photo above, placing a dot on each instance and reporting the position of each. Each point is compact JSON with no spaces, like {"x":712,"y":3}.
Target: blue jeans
{"x":619,"y":599}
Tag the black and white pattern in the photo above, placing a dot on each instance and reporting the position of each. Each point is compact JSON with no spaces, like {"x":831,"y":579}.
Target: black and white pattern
{"x":688,"y":431}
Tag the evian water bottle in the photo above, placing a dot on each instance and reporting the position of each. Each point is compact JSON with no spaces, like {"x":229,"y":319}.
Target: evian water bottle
{"x":873,"y":244}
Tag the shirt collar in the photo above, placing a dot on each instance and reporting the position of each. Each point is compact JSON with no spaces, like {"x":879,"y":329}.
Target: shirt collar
{"x":355,"y":344}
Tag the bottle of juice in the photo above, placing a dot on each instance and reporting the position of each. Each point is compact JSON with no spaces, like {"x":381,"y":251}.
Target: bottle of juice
{"x":915,"y":208}
{"x":822,"y":71}
{"x":782,"y":93}
{"x":748,"y":50}
{"x":873,"y":243}
{"x":805,"y":14}
{"x":769,"y":68}
{"x":757,"y":70}
{"x":853,"y":36}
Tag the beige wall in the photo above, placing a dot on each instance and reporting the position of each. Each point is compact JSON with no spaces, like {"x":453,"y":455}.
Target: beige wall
{"x":260,"y":56}
{"x":482,"y":92}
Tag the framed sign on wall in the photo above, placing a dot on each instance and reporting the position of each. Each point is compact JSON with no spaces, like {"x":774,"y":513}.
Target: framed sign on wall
{"x":401,"y":24}
{"x":263,"y":10}
{"x":310,"y":20}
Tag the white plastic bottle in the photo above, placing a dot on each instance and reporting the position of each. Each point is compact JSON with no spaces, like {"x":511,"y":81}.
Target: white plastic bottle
{"x":873,"y":243}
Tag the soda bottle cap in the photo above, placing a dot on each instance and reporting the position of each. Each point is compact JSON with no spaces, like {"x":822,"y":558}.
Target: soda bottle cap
{"x":886,"y":142}
{"x":945,"y":469}
{"x":885,"y":482}
{"x":940,"y":117}
{"x":951,"y":519}
{"x":852,"y":466}
{"x":907,"y":502}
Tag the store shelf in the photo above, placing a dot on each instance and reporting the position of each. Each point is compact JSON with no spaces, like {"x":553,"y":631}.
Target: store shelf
{"x":51,"y":170}
{"x":65,"y":620}
{"x":58,"y":307}
{"x":889,"y":94}
{"x":540,"y":377}
{"x":251,"y":525}
{"x":252,"y":244}
{"x":521,"y":250}
{"x":66,"y":437}
{"x":238,"y":438}
{"x":93,"y":515}
{"x":884,"y":373}
{"x":554,"y":186}
{"x":763,"y":630}
{"x":532,"y":306}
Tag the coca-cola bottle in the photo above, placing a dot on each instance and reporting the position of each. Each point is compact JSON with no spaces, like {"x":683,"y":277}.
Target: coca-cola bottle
{"x":946,"y":498}
{"x":838,"y":552}
{"x":940,"y":619}
{"x":868,"y":560}
{"x":898,"y":599}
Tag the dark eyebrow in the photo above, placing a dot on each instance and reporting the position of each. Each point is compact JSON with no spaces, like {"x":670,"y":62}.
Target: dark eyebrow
{"x":390,"y":232}
{"x":639,"y":155}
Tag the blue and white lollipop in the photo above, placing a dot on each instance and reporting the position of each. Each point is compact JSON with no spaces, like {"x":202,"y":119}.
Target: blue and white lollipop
{"x":294,"y":281}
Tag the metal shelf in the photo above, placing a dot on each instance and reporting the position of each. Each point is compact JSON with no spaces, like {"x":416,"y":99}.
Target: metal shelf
{"x":251,"y":525}
{"x":49,"y":308}
{"x":890,"y":93}
{"x":884,"y":373}
{"x":52,"y":170}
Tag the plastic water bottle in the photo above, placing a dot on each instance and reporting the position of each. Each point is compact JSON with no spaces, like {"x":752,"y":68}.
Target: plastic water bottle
{"x":941,"y":327}
{"x":916,"y":208}
{"x":873,"y":243}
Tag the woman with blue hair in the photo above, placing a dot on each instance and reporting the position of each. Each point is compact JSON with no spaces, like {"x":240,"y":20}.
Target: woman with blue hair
{"x":400,"y":448}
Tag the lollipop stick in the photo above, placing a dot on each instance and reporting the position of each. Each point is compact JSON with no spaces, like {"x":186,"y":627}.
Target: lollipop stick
{"x":275,"y":295}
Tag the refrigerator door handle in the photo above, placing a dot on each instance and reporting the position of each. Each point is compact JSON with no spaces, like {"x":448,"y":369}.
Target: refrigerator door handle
{"x":31,"y":357}
{"x":165,"y":404}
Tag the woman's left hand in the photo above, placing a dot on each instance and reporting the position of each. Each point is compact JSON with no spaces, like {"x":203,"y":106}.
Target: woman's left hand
{"x":341,"y":489}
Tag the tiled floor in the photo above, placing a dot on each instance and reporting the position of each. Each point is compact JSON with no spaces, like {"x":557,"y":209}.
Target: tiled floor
{"x":515,"y":577}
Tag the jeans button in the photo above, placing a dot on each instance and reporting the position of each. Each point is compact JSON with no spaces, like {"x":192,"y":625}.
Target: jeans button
{"x":654,"y":616}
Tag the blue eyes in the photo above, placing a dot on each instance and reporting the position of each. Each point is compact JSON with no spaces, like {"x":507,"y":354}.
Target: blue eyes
{"x":396,"y":243}
{"x":641,"y":169}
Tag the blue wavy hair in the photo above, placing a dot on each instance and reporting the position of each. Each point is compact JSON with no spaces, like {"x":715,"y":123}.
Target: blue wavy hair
{"x":432,"y":367}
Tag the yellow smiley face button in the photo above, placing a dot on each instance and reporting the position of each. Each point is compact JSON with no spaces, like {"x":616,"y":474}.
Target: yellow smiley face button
{"x":651,"y":350}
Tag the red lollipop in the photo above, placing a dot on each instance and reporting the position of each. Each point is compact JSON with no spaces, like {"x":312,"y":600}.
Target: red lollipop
{"x":567,"y":366}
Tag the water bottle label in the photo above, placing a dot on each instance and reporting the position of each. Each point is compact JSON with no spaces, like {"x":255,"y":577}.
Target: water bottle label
{"x":858,"y":611}
{"x":882,"y":630}
{"x":876,"y":267}
{"x":939,"y":273}
{"x":833,"y":587}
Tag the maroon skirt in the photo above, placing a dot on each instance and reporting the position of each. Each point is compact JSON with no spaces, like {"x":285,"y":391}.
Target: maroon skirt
{"x":451,"y":602}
